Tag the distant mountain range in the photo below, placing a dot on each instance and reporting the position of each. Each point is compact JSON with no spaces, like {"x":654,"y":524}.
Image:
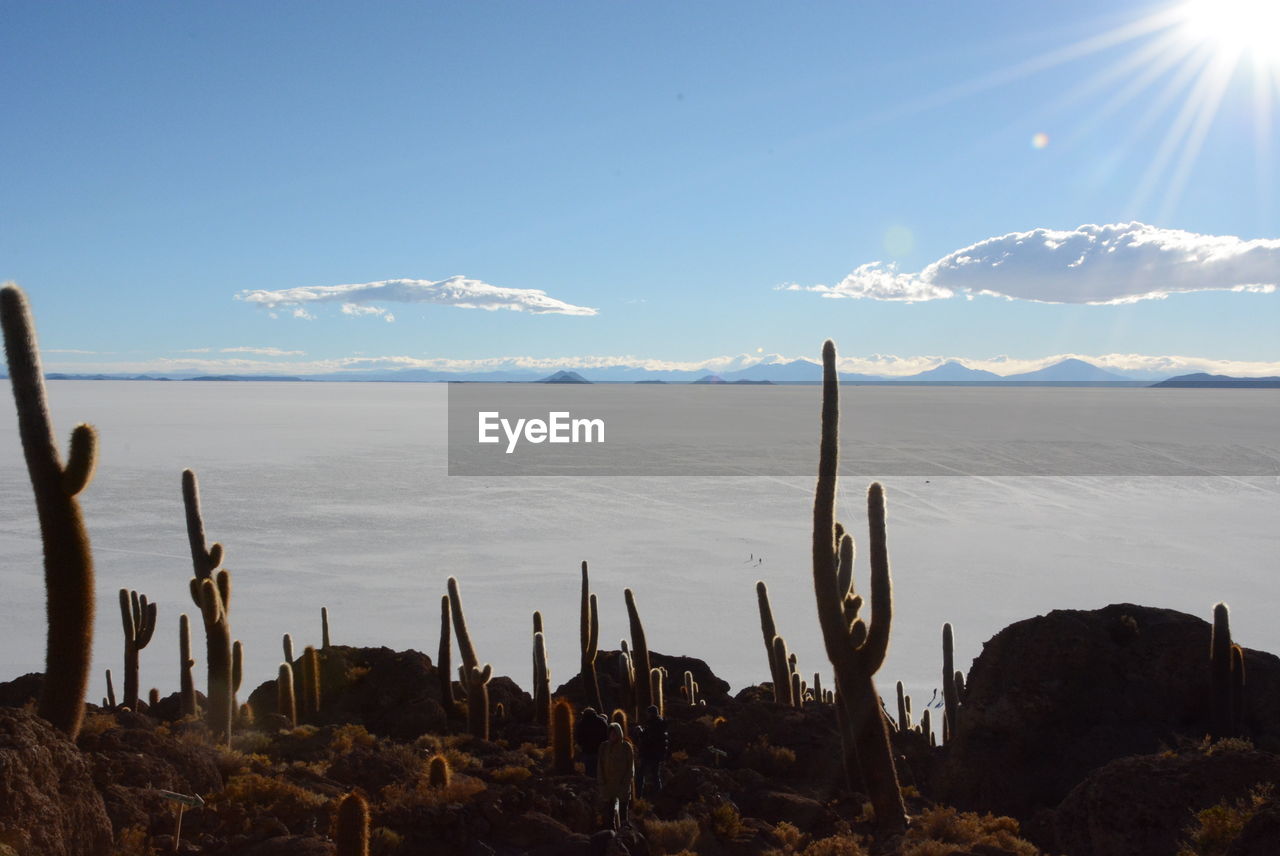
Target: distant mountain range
{"x":1066,"y":371}
{"x":1201,"y":379}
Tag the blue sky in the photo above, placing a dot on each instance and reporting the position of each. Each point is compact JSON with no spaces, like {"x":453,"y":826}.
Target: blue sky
{"x":670,"y":166}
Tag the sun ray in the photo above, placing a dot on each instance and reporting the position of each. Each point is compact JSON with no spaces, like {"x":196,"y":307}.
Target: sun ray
{"x":1211,"y":88}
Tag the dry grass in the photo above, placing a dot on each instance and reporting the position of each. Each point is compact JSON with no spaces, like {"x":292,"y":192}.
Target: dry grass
{"x":941,"y":830}
{"x":1216,"y":827}
{"x":768,"y":759}
{"x":271,"y":795}
{"x":418,"y":793}
{"x":510,"y":775}
{"x":670,"y":837}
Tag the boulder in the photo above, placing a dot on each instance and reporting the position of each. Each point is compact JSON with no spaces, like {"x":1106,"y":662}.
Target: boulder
{"x":48,"y":804}
{"x":1052,"y":698}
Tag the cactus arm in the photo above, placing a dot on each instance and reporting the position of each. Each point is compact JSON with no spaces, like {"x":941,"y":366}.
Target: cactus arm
{"x":844,"y":576}
{"x":465,"y":648}
{"x":881,"y":583}
{"x":81,"y":460}
{"x":443,"y":670}
{"x":644,"y":693}
{"x":204,"y":560}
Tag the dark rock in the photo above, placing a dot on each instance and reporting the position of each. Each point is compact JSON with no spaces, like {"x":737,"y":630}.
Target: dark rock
{"x":19,"y":691}
{"x":1051,"y":698}
{"x":1144,"y":805}
{"x":291,"y":845}
{"x":48,"y":804}
{"x":1261,"y":834}
{"x":713,"y":689}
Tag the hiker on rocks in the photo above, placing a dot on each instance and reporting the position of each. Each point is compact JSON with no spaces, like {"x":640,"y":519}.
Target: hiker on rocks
{"x":653,"y":752}
{"x":592,"y":730}
{"x":617,"y":776}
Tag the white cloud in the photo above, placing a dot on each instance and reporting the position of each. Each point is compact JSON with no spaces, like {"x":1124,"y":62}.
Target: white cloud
{"x":362,"y":298}
{"x":66,"y":351}
{"x":262,"y":352}
{"x":1118,"y":263}
{"x":356,"y":309}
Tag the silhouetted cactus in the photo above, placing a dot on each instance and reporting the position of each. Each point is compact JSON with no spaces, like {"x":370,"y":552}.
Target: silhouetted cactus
{"x":1220,"y":658}
{"x":542,"y":681}
{"x":68,"y":560}
{"x":111,"y":693}
{"x":797,"y":690}
{"x":475,"y":677}
{"x":817,"y":687}
{"x":324,"y":628}
{"x":690,"y":688}
{"x":204,"y":560}
{"x":153,"y":697}
{"x":186,"y":682}
{"x":237,"y":672}
{"x":782,"y":691}
{"x":1237,"y":688}
{"x":639,"y":654}
{"x":444,"y":669}
{"x":286,"y":703}
{"x":438,"y":772}
{"x":218,"y":638}
{"x":589,"y":638}
{"x":855,"y":649}
{"x":353,"y":826}
{"x":655,"y":691}
{"x":950,"y":694}
{"x":562,"y":737}
{"x":777,"y":672}
{"x":904,"y":718}
{"x":139,"y":620}
{"x":626,"y":681}
{"x":311,"y":690}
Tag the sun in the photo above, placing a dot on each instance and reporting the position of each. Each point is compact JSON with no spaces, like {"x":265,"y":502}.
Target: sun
{"x":1236,"y":27}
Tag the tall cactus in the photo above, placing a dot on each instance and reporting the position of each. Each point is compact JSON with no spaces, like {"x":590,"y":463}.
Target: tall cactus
{"x":950,"y":693}
{"x":218,"y":638}
{"x":286,"y":702}
{"x":639,"y":655}
{"x":187,"y":686}
{"x":904,"y":710}
{"x":562,"y":738}
{"x":1237,"y":688}
{"x":782,"y":691}
{"x":204,"y":559}
{"x":475,"y":677}
{"x":111,"y":692}
{"x":311,"y":690}
{"x":541,"y":681}
{"x":856,"y":650}
{"x":324,"y":628}
{"x":1220,"y":667}
{"x":68,"y":560}
{"x":589,"y":637}
{"x":444,"y":669}
{"x":237,"y":672}
{"x":139,"y":620}
{"x":777,"y":672}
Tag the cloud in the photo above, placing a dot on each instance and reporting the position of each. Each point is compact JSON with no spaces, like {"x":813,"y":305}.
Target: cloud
{"x":66,"y":351}
{"x":362,"y":298}
{"x":262,"y":352}
{"x":1118,"y":263}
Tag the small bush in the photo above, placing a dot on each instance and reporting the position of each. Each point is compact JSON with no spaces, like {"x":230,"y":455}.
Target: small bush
{"x":460,"y":789}
{"x":670,"y":837}
{"x":347,"y":737}
{"x":271,"y":795}
{"x":96,"y":723}
{"x":841,"y":844}
{"x":939,"y":831}
{"x":767,"y":759}
{"x":510,"y":775}
{"x":725,"y":823}
{"x":1217,"y":826}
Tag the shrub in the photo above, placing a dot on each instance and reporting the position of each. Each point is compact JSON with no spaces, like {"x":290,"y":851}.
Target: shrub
{"x":420,"y":793}
{"x":510,"y":775}
{"x":840,"y":844}
{"x":725,"y":823}
{"x":271,"y":795}
{"x":938,"y":831}
{"x":670,"y":837}
{"x":767,"y":759}
{"x":1217,"y":826}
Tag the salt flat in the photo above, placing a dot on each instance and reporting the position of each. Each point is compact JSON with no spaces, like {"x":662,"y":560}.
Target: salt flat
{"x":337,"y":495}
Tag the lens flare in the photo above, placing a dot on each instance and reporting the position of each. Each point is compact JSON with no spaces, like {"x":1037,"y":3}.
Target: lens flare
{"x":1039,"y":140}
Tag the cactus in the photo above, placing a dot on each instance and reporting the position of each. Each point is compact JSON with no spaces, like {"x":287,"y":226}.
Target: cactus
{"x":926,"y":725}
{"x":204,"y":560}
{"x":443,"y":668}
{"x":1237,"y":688}
{"x":904,"y":717}
{"x":626,"y":681}
{"x":797,"y":690}
{"x":311,"y":689}
{"x":640,"y":654}
{"x":562,"y":737}
{"x":856,"y":649}
{"x":153,"y":698}
{"x":589,"y":636}
{"x":286,"y":702}
{"x":777,"y":669}
{"x":111,"y":692}
{"x":237,"y":672}
{"x":438,"y":772}
{"x":352,"y":835}
{"x":287,"y":644}
{"x":655,"y":691}
{"x":950,"y":694}
{"x":68,"y":560}
{"x":541,"y":681}
{"x":784,"y":676}
{"x":475,"y":677}
{"x":218,"y":639}
{"x":690,"y":688}
{"x":186,"y":683}
{"x":1220,"y":658}
{"x":324,"y":628}
{"x":245,"y":716}
{"x":620,"y":716}
{"x":817,"y":687}
{"x":139,"y":620}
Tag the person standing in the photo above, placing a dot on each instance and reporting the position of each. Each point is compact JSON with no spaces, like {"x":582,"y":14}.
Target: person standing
{"x":653,"y":752}
{"x":617,"y":776}
{"x":592,"y":730}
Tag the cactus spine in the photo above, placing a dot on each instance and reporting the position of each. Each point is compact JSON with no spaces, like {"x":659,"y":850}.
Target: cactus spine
{"x":139,"y":620}
{"x":286,"y":703}
{"x":186,"y":683}
{"x":777,"y":670}
{"x":562,"y":737}
{"x":542,"y":681}
{"x":589,"y":636}
{"x":68,"y":560}
{"x":856,"y":649}
{"x":640,"y":654}
{"x":353,"y":826}
{"x":443,"y":667}
{"x":475,"y":677}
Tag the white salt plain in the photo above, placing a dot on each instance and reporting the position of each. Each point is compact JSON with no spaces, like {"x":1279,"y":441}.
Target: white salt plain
{"x":337,"y":495}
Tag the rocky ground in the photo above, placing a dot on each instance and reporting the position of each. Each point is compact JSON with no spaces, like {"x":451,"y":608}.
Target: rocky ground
{"x":1081,"y":733}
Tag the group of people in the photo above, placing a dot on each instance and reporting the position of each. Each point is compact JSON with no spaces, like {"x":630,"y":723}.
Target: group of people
{"x":618,"y":762}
